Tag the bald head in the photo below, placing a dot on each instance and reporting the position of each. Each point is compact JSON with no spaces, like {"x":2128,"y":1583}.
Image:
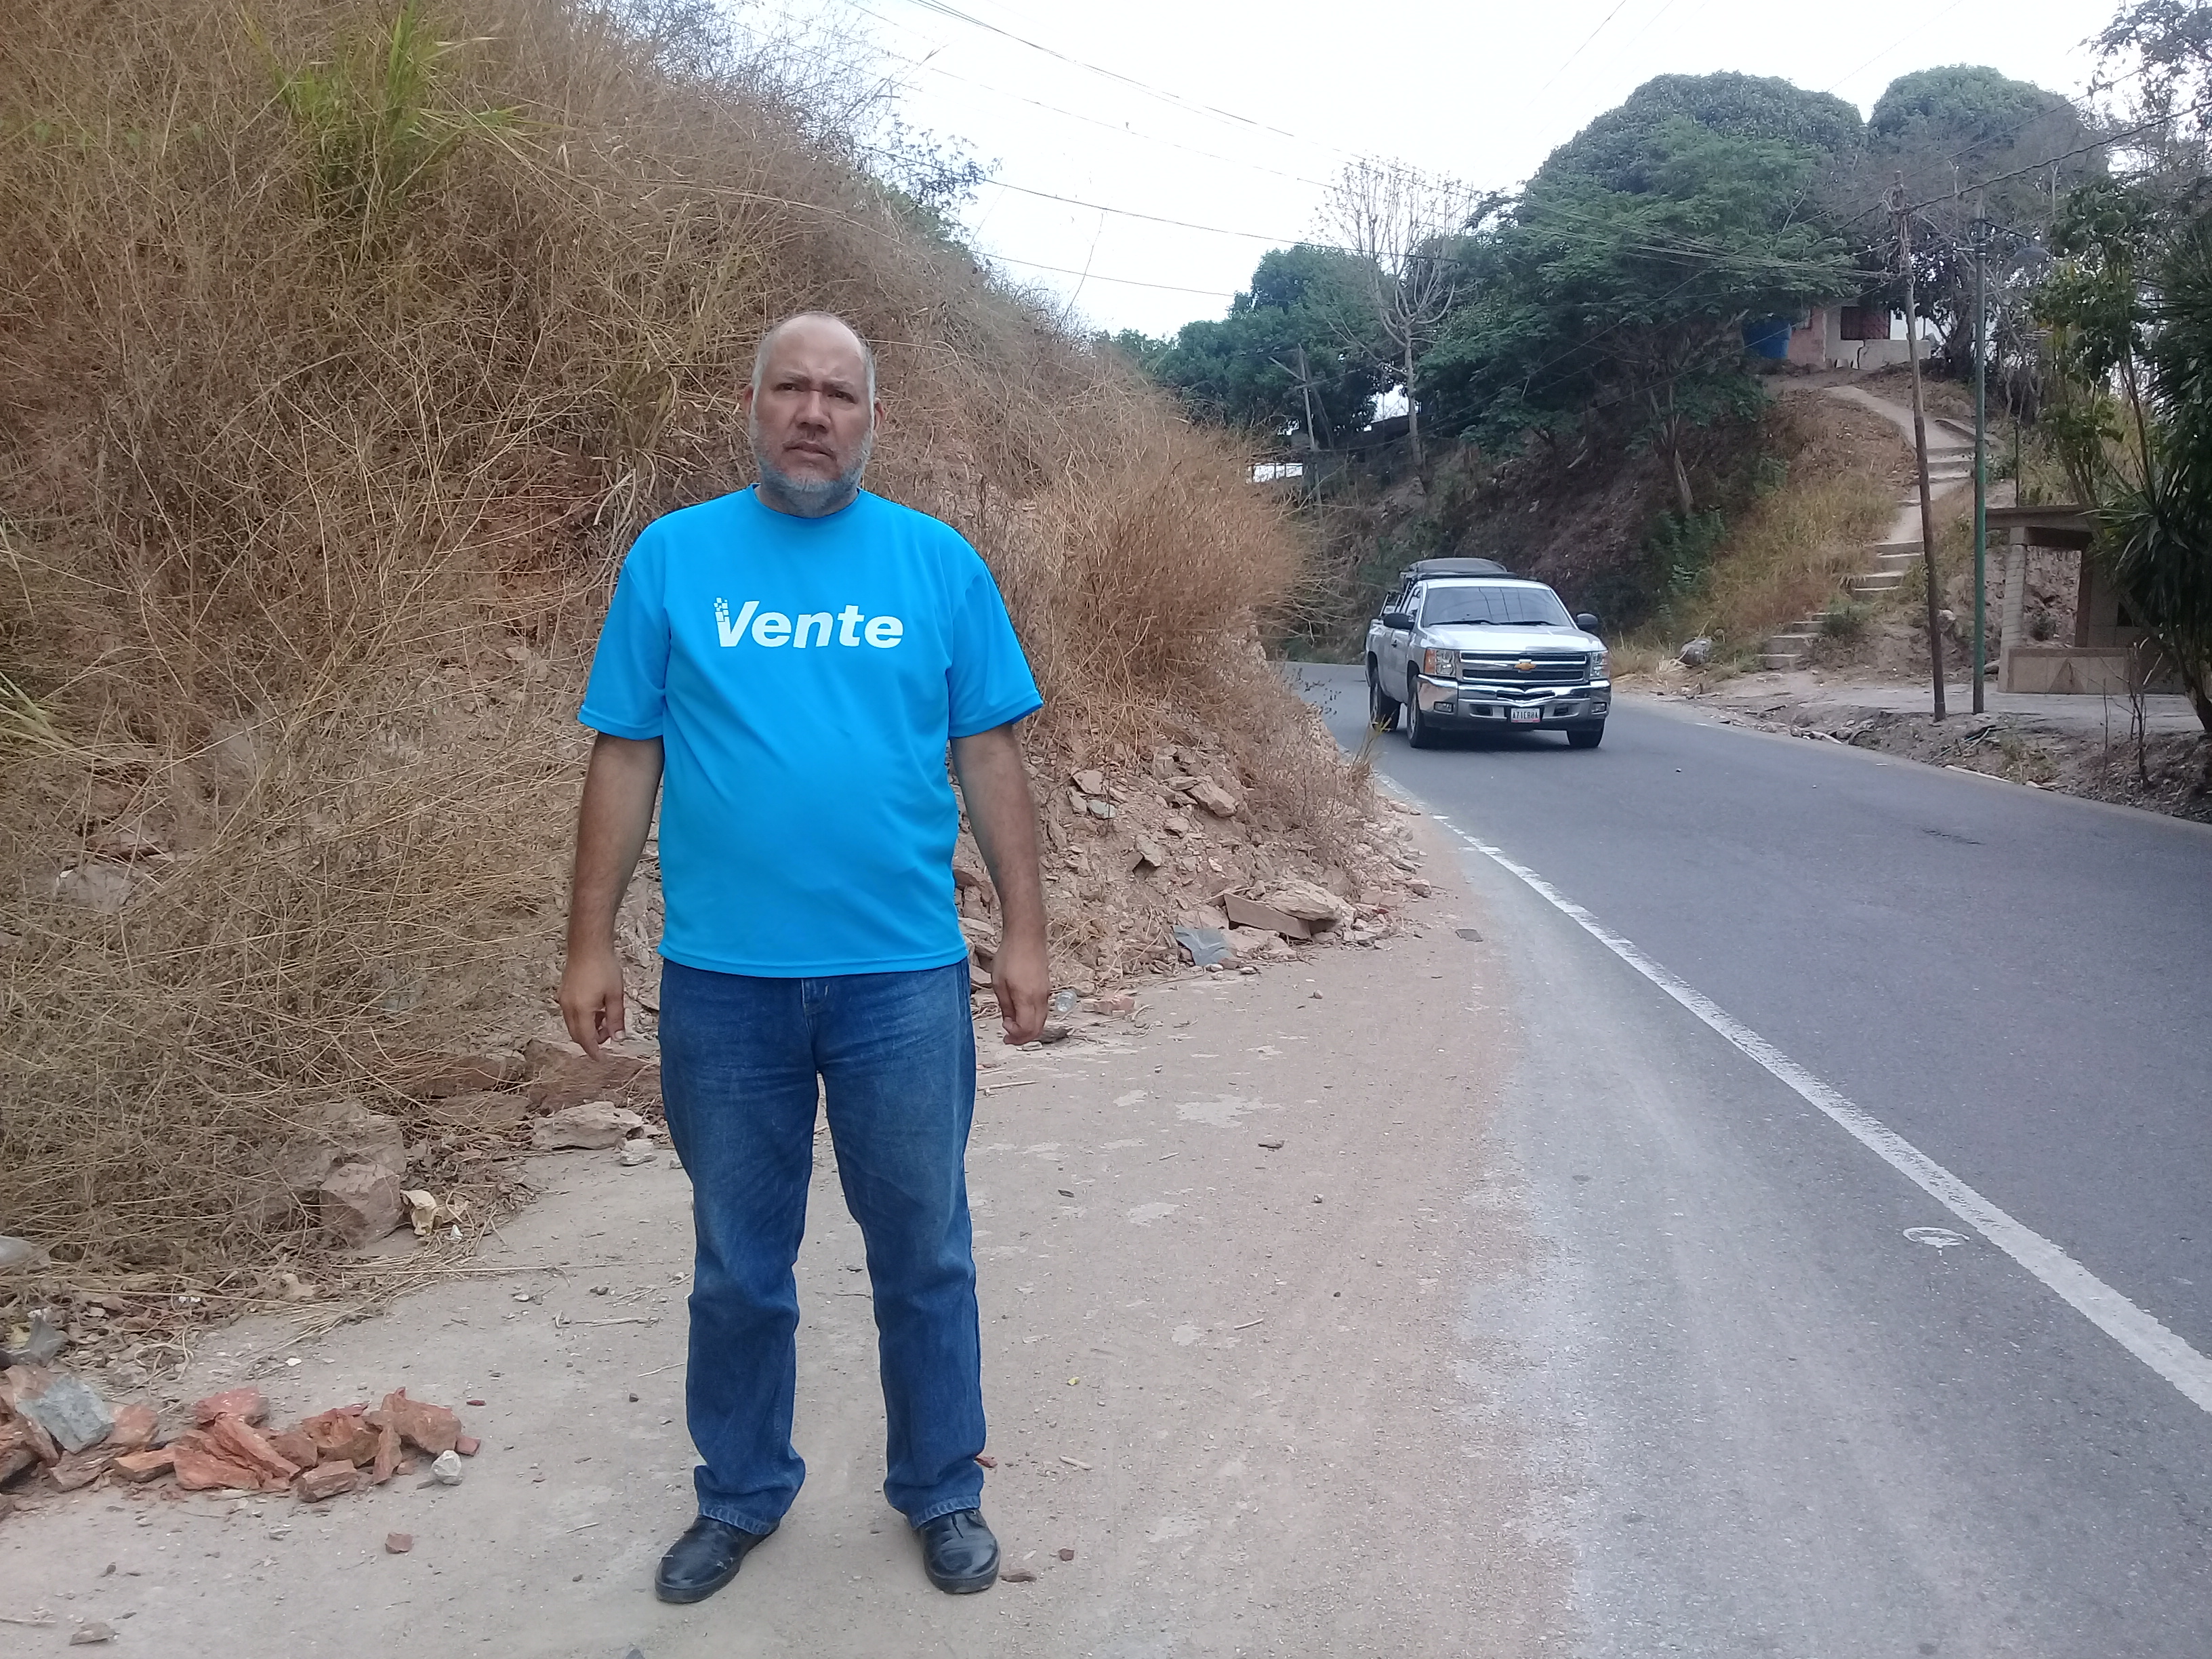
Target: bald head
{"x":811,"y":413}
{"x":822,"y":328}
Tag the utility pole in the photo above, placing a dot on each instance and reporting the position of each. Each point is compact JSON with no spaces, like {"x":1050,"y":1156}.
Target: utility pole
{"x":1981,"y":454}
{"x":1897,"y":205}
{"x":1305,"y":390}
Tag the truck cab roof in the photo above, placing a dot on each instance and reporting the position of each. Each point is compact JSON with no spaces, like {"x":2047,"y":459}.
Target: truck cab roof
{"x":1423,"y":569}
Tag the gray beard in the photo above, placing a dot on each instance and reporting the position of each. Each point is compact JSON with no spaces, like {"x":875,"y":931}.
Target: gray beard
{"x":811,"y":497}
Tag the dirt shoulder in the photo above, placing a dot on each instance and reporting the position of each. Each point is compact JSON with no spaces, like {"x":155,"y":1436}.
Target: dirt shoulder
{"x":2078,"y":745}
{"x":1226,"y":1252}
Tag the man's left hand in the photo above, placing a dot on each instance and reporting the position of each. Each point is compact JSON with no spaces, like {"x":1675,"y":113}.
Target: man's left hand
{"x":1021,"y":979}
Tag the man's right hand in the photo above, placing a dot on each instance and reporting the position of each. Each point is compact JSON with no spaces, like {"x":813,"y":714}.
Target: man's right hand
{"x":611,"y":822}
{"x":592,"y":998}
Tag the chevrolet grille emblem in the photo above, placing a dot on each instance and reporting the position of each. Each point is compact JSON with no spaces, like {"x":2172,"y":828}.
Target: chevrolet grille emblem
{"x":1526,"y":666}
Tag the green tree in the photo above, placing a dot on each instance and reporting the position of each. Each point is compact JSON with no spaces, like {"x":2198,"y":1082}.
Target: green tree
{"x":1623,"y":149}
{"x":1626,"y":307}
{"x":1300,"y":350}
{"x":2131,"y":312}
{"x":1942,"y":129}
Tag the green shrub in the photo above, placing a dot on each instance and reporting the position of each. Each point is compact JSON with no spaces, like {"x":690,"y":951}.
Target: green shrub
{"x":1843,"y":620}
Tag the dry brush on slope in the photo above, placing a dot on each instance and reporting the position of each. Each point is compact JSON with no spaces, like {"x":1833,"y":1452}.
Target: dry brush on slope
{"x":343,"y":347}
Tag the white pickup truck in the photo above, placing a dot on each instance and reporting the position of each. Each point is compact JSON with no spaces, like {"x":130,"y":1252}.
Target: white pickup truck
{"x":1464,"y":645}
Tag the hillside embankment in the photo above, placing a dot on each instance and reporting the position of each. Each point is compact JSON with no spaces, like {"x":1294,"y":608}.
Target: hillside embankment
{"x":347,"y":346}
{"x":1780,"y":506}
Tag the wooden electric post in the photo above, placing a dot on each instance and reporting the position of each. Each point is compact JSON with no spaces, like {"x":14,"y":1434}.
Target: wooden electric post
{"x":1981,"y":452}
{"x":1897,"y":205}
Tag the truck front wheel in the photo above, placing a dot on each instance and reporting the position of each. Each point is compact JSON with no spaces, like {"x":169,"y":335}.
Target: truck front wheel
{"x":1589,"y":739}
{"x":1418,"y":733}
{"x":1382,"y":709}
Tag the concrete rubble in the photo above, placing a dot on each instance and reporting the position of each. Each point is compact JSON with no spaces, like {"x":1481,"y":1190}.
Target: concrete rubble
{"x":49,"y":1416}
{"x":1139,"y":857}
{"x":590,"y":1126}
{"x":59,"y":1403}
{"x":20,"y":1253}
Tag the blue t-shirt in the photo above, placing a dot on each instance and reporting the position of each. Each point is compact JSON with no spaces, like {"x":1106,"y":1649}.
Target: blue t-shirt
{"x":804,"y":676}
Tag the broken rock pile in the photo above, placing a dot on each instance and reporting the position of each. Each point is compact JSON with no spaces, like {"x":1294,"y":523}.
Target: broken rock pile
{"x":347,"y":1168}
{"x":1140,"y":856}
{"x":53,"y":1425}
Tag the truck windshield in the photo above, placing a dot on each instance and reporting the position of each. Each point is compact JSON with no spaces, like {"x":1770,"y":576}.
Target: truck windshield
{"x":1519,"y":606}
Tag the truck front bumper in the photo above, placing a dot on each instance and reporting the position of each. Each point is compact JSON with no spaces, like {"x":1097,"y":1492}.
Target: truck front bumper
{"x":1474,"y":704}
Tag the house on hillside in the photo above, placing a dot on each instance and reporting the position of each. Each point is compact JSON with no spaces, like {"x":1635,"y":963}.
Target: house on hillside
{"x":1835,"y":337}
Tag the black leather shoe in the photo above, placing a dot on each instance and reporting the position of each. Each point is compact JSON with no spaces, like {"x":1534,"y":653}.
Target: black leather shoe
{"x":704,"y":1559}
{"x":959,"y":1553}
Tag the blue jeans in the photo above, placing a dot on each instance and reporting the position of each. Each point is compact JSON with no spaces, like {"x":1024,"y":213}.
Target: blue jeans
{"x":896,"y":1054}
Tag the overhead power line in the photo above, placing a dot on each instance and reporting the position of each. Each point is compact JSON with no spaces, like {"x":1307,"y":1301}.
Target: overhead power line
{"x":1651,"y":22}
{"x":1586,"y":38}
{"x":1152,"y":218}
{"x":1919,"y":25}
{"x":1092,"y":120}
{"x":1124,"y":282}
{"x":2003,"y":133}
{"x":1656,"y":246}
{"x":939,"y":8}
{"x":2119,"y":138}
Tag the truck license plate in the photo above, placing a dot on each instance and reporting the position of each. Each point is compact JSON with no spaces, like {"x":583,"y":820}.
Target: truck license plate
{"x":1527,"y":716}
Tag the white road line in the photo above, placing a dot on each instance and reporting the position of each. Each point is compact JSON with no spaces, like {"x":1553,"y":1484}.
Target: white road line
{"x":2138,"y":1332}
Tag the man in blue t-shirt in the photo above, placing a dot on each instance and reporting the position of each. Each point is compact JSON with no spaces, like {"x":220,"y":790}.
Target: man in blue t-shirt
{"x":785,"y":667}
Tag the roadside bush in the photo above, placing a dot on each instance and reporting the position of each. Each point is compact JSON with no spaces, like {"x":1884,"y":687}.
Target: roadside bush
{"x":1843,"y":620}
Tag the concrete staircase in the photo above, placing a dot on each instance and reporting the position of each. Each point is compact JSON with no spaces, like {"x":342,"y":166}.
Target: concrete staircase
{"x":1950,"y":466}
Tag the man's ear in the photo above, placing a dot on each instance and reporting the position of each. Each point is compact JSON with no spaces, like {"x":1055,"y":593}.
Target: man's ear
{"x":745,"y":401}
{"x":878,"y":411}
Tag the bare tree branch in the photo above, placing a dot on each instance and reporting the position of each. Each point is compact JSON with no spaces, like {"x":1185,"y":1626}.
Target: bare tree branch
{"x":1402,"y":222}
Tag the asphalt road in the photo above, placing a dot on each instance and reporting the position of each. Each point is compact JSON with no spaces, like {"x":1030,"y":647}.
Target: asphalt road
{"x":1775,"y":1422}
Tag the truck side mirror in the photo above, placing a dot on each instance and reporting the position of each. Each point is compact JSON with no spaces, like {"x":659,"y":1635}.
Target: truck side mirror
{"x":1396,"y":620}
{"x":1587,"y":620}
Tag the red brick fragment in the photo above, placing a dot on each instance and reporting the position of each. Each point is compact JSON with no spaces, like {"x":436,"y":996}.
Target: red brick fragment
{"x":246,"y":1404}
{"x":81,"y":1469}
{"x":468,"y":1445}
{"x":426,"y":1427}
{"x":16,"y":1453}
{"x":134,"y":1431}
{"x":200,"y":1467}
{"x":241,"y":1444}
{"x":326,"y":1481}
{"x":36,"y":1440}
{"x":387,"y":1454}
{"x":342,"y":1436}
{"x":398,"y":1543}
{"x":296,"y":1448}
{"x":142,"y":1466}
{"x":986,"y":1460}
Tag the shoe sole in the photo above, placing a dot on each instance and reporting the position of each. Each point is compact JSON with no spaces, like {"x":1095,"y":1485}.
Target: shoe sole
{"x":969,"y":1586}
{"x":685,"y":1597}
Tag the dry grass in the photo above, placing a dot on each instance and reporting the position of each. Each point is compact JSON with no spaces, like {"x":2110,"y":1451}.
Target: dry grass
{"x":1786,"y":556}
{"x":329,"y":397}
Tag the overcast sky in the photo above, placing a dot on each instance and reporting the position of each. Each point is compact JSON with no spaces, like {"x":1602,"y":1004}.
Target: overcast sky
{"x":1234,"y":116}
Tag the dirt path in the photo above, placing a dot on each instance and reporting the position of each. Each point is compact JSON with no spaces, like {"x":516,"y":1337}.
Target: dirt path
{"x":1237,"y":1380}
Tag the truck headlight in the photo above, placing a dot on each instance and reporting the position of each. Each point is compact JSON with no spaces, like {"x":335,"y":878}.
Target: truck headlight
{"x":1443,"y":664}
{"x":1597,"y":664}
